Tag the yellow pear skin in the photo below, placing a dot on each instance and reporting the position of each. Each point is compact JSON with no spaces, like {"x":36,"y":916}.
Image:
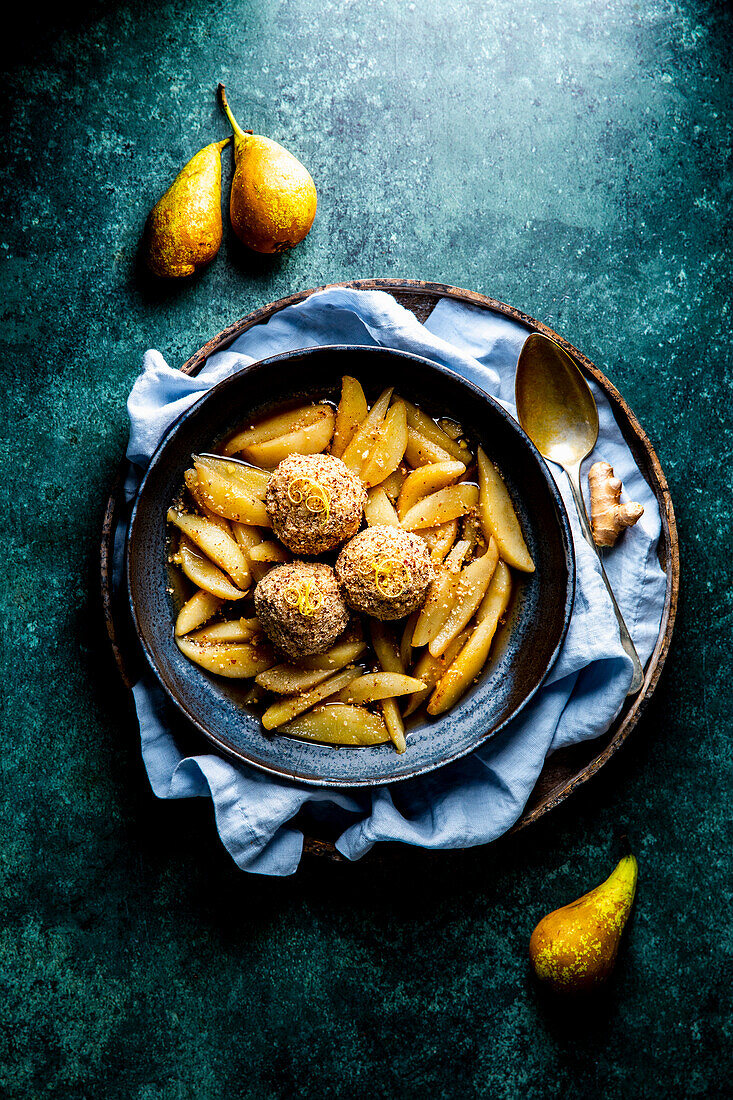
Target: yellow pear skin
{"x":184,"y":229}
{"x":273,"y":198}
{"x":573,"y":949}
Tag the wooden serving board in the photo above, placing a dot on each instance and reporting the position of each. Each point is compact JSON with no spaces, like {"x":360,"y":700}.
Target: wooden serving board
{"x":566,"y":769}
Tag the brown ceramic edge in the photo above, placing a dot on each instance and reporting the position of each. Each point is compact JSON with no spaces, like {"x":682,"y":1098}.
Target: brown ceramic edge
{"x":660,"y":488}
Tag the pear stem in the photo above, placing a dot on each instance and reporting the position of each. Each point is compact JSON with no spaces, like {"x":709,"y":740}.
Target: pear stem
{"x":221,"y":90}
{"x":223,"y":144}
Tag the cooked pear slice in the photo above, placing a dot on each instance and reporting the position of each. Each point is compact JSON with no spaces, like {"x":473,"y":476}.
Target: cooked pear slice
{"x":426,"y":480}
{"x":442,"y":506}
{"x":254,"y":696}
{"x":196,"y":611}
{"x":379,"y":510}
{"x":473,"y":583}
{"x":237,"y":662}
{"x":372,"y":687}
{"x":422,"y":423}
{"x":338,"y":724}
{"x":421,"y":451}
{"x":247,"y":536}
{"x":440,"y":539}
{"x":273,"y":553}
{"x":406,"y":640}
{"x":388,"y":654}
{"x":395,"y":725}
{"x":472,"y":532}
{"x":365,"y":436}
{"x":284,"y":710}
{"x":451,"y":428}
{"x":431,"y":669}
{"x":467,"y":665}
{"x":343,"y":653}
{"x":191,"y":481}
{"x":457,"y":556}
{"x":251,"y":478}
{"x":215,"y":543}
{"x":498,"y":517}
{"x":351,"y":412}
{"x":385,"y":646}
{"x":310,"y":440}
{"x":281,"y":424}
{"x":288,"y":679}
{"x":204,"y":574}
{"x":439,"y":601}
{"x":235,"y":630}
{"x":227,"y":496}
{"x":436,"y":608}
{"x":387,"y":452}
{"x":496,"y":600}
{"x":393,"y":484}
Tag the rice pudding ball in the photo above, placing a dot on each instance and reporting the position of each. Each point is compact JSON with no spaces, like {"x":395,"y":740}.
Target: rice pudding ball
{"x":301,"y":608}
{"x":385,"y":572}
{"x":314,"y":503}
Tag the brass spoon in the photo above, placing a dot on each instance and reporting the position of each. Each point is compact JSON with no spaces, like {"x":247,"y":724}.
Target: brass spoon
{"x":559,"y":414}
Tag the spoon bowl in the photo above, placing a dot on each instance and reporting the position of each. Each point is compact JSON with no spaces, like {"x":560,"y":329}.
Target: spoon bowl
{"x":554,"y":403}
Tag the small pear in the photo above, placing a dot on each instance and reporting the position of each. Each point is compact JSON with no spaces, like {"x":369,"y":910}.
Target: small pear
{"x":273,"y":198}
{"x":573,"y":949}
{"x":183,"y":231}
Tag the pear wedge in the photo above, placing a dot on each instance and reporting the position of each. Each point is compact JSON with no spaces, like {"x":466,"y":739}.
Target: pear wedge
{"x":184,"y":230}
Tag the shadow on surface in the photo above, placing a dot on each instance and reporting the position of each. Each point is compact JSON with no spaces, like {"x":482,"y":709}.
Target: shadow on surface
{"x":256,"y":267}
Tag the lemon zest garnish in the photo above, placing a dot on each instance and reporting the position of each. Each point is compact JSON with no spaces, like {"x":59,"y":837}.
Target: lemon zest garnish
{"x":391,"y":577}
{"x":316,"y":498}
{"x":305,"y":596}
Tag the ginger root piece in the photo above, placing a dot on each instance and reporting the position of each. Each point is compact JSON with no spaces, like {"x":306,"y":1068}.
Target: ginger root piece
{"x":608,"y":516}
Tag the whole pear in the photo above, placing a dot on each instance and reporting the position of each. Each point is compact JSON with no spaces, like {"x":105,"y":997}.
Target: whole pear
{"x":573,"y":949}
{"x":273,"y":198}
{"x":184,"y":230}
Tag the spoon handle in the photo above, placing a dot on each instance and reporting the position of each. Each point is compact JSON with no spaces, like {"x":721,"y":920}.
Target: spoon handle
{"x":637,"y":678}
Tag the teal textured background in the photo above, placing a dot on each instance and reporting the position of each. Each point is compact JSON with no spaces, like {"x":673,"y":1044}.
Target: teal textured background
{"x":569,"y":158}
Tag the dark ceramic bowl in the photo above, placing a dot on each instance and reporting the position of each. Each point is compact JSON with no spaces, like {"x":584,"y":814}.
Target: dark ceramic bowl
{"x":524,"y":650}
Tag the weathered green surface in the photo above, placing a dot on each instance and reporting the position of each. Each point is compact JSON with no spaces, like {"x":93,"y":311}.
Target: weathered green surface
{"x":569,"y":158}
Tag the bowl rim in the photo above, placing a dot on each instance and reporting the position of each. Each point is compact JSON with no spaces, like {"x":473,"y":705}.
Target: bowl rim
{"x":484,"y":397}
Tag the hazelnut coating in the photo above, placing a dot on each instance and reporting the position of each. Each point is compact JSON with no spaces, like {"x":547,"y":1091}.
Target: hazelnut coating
{"x":301,"y":608}
{"x":385,"y":572}
{"x":314,"y":503}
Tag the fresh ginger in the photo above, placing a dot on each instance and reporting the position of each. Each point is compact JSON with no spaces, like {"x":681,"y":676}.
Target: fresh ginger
{"x":608,"y":516}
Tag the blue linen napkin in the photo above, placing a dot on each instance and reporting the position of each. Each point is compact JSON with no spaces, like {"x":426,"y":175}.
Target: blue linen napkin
{"x":477,"y":798}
